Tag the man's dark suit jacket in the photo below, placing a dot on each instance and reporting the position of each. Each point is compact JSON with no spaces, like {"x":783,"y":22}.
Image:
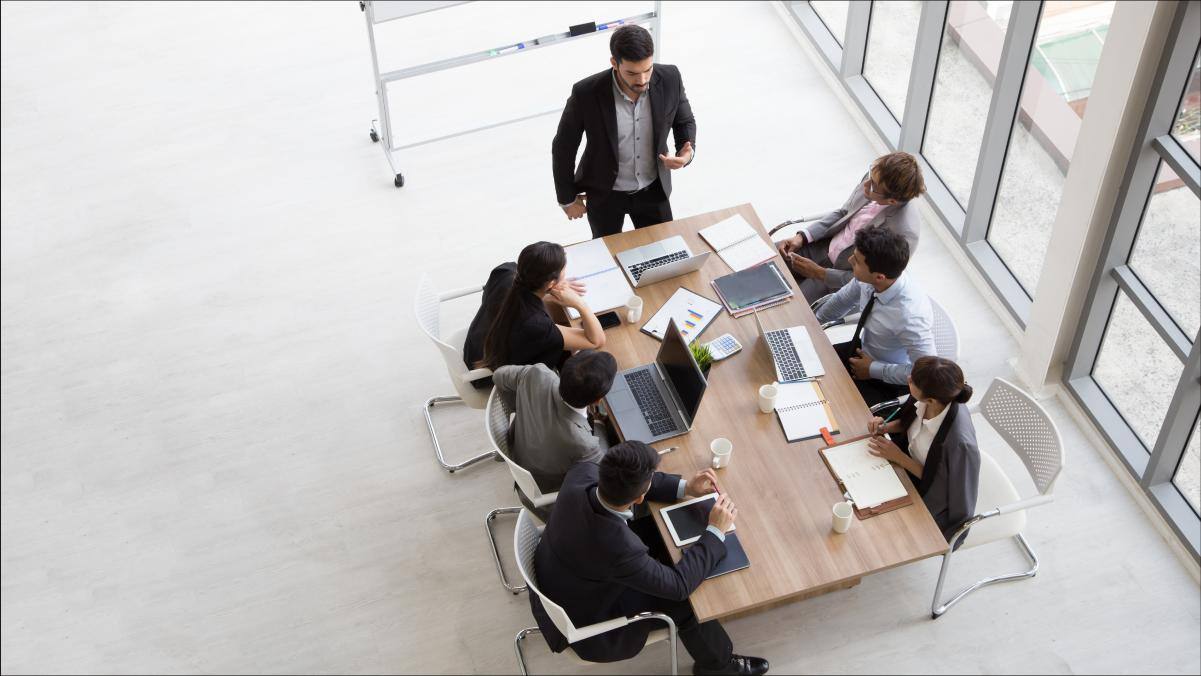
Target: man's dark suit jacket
{"x":590,"y":108}
{"x":593,"y":565}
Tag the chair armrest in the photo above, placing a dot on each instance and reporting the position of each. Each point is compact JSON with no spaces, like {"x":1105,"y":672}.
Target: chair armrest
{"x":546,"y":499}
{"x":836,"y":322}
{"x":600,"y":628}
{"x":998,"y":511}
{"x":619,"y":622}
{"x":885,"y":405}
{"x":1028,"y":503}
{"x":459,"y":293}
{"x":475,"y":374}
{"x":802,"y":219}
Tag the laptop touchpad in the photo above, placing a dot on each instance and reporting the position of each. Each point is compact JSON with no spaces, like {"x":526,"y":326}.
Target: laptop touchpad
{"x":621,"y":400}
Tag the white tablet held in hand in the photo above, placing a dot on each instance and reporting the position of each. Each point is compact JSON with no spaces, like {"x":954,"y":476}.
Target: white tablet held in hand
{"x":687,"y":521}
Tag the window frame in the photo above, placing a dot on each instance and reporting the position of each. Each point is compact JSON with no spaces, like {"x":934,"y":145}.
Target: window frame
{"x":1155,"y":467}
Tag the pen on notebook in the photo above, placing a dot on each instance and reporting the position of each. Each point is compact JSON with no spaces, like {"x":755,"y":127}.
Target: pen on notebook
{"x":889,"y":418}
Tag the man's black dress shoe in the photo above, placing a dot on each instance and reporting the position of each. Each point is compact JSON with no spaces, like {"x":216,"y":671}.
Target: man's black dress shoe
{"x":739,"y":665}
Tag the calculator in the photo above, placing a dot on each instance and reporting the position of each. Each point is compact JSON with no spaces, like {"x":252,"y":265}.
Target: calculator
{"x":723,"y":346}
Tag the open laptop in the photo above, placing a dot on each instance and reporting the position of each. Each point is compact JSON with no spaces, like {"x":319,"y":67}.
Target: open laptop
{"x":792,"y":352}
{"x":660,"y":260}
{"x":658,"y":401}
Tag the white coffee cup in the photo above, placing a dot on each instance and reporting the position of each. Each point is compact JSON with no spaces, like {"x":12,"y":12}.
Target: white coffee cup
{"x":633,"y":309}
{"x":767,"y":398}
{"x":843,"y":514}
{"x":721,"y":448}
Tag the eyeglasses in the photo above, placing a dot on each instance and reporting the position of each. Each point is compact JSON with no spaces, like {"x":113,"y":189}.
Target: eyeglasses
{"x":873,"y":189}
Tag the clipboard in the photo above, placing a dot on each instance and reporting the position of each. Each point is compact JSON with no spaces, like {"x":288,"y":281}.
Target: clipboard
{"x":868,"y":512}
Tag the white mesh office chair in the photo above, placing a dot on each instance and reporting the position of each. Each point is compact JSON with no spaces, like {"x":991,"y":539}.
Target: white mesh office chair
{"x":427,"y":306}
{"x":497,"y":417}
{"x":1000,"y":510}
{"x":525,"y":542}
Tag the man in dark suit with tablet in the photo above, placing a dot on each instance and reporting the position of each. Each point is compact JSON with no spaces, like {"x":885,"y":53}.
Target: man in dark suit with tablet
{"x":595,"y":560}
{"x":626,"y":111}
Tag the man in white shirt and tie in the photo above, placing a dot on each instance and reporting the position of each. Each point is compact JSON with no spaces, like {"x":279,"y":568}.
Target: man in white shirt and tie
{"x":896,"y":322}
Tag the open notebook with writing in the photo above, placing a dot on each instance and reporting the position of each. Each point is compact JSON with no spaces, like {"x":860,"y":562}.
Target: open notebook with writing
{"x":738,"y":244}
{"x":803,"y":411}
{"x":872,"y":483}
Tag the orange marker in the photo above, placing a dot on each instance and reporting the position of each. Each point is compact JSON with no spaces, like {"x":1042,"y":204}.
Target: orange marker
{"x":826,"y":435}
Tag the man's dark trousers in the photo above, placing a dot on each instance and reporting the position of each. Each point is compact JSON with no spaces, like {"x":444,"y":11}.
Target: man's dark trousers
{"x":648,"y":206}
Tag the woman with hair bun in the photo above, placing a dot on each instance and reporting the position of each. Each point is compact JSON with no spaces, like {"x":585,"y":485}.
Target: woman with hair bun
{"x":933,"y":439}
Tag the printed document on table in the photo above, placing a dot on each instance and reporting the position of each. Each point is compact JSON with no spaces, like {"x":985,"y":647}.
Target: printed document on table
{"x":693,"y":314}
{"x":591,"y":263}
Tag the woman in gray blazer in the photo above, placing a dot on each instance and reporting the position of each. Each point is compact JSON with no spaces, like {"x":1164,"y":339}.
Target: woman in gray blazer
{"x":933,"y":439}
{"x":820,"y":253}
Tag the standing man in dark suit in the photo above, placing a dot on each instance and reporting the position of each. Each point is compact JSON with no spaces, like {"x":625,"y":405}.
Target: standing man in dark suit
{"x":598,"y":562}
{"x":626,"y":111}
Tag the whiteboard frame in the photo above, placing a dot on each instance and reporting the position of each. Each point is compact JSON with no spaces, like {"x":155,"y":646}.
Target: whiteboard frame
{"x":381,"y":127}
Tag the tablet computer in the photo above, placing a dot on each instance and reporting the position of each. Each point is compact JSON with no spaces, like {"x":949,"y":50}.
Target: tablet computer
{"x":687,"y":521}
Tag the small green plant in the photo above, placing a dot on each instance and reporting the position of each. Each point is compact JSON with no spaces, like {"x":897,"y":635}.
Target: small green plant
{"x":702,"y":354}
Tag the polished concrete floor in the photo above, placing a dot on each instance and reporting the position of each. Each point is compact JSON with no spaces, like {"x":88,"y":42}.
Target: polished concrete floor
{"x":213,"y":452}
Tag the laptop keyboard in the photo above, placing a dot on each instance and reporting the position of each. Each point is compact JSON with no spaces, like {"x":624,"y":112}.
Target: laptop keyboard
{"x":637,"y":269}
{"x":650,"y":402}
{"x":788,"y":362}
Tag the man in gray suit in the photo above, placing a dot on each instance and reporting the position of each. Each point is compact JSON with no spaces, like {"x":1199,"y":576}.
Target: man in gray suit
{"x":820,"y":254}
{"x":551,"y":430}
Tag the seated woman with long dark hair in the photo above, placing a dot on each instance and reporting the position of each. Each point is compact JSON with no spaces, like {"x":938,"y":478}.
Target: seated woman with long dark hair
{"x":514,"y":323}
{"x":934,"y":440}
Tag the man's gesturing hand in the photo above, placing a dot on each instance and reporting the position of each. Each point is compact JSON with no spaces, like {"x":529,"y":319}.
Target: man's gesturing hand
{"x":683,"y":156}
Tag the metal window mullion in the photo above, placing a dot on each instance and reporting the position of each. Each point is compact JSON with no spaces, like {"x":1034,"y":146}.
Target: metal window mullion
{"x":1177,"y":424}
{"x":1152,"y":311}
{"x":1002,"y":115}
{"x":818,"y":33}
{"x":854,"y":43}
{"x":657,"y":30}
{"x":1180,"y":161}
{"x":921,"y":76}
{"x":1134,"y":195}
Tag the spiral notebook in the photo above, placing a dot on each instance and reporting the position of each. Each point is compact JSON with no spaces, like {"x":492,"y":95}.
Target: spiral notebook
{"x":738,"y":244}
{"x":803,"y":411}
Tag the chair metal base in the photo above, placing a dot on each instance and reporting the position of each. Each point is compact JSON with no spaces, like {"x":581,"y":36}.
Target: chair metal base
{"x":517,"y":647}
{"x":500,"y":570}
{"x":936,"y":610}
{"x":671,"y":640}
{"x":429,"y":422}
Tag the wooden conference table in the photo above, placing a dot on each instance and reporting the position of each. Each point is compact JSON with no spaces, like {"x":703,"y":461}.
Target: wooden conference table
{"x":783,"y":491}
